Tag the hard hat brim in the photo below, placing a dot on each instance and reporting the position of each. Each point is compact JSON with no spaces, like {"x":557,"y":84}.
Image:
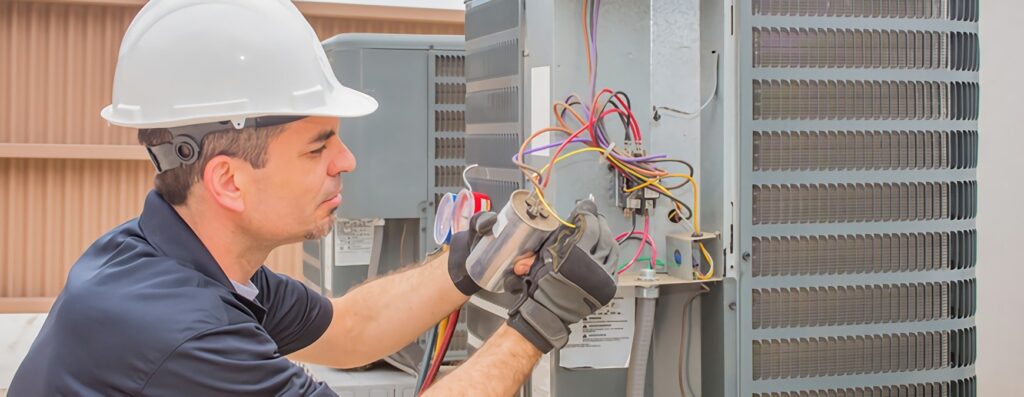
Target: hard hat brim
{"x":342,"y":102}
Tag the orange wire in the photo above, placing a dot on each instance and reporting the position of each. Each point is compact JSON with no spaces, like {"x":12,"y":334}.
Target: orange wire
{"x":586,"y":40}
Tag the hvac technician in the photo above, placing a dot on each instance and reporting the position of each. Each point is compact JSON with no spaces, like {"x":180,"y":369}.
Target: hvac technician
{"x":237,"y":106}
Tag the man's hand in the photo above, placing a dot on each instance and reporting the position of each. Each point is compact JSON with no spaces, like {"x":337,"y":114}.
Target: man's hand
{"x":571,"y":279}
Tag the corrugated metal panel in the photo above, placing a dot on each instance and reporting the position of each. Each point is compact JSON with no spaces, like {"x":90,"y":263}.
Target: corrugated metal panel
{"x":56,"y":65}
{"x":52,"y":210}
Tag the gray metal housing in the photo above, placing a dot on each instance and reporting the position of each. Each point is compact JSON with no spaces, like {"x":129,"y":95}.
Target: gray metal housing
{"x":838,"y":161}
{"x":409,"y":152}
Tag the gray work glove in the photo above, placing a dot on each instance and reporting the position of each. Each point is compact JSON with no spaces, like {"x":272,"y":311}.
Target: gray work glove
{"x":462,"y":244}
{"x":571,"y":279}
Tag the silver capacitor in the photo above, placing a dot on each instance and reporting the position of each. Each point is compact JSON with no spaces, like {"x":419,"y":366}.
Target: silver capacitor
{"x":521,"y":227}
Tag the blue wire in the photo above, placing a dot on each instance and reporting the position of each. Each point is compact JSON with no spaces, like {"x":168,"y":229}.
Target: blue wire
{"x":428,"y":356}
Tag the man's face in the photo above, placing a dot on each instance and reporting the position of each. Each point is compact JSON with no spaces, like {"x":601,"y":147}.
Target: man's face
{"x":299,"y":188}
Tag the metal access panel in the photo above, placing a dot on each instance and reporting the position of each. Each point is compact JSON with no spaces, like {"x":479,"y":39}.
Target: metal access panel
{"x":858,"y":140}
{"x":404,"y":162}
{"x":409,"y":152}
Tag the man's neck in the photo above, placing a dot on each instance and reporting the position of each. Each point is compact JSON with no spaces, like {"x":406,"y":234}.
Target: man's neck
{"x":238,"y":256}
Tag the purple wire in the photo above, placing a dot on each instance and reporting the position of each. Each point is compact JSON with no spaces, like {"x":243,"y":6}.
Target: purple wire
{"x":580,"y":140}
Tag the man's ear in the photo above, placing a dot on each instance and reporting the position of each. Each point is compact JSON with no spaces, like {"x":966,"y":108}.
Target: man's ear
{"x":221,"y":180}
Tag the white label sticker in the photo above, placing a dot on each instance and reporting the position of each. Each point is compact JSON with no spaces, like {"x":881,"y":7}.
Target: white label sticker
{"x":353,"y":241}
{"x":603,"y":339}
{"x":540,"y":107}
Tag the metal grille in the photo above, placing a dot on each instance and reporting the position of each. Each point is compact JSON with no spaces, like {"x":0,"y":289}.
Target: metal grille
{"x":492,"y":150}
{"x":860,"y":48}
{"x":449,"y":65}
{"x":964,"y":53}
{"x":959,"y":388}
{"x":963,"y":347}
{"x":963,"y":302}
{"x":864,"y":150}
{"x":963,"y":101}
{"x":963,"y":250}
{"x":449,"y":148}
{"x":450,"y":120}
{"x":493,"y":106}
{"x":496,"y":60}
{"x":852,"y":355}
{"x":864,"y":100}
{"x":963,"y":388}
{"x":963,"y":10}
{"x":448,"y":175}
{"x":450,"y":93}
{"x":859,"y":254}
{"x":861,"y":202}
{"x":926,"y":9}
{"x":848,"y":305}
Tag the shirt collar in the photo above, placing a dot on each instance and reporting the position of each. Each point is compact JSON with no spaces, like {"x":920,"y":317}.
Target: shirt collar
{"x":170,"y":235}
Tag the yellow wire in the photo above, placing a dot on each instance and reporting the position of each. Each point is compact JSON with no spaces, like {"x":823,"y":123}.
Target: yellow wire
{"x":540,"y":194}
{"x":441,"y":327}
{"x":647,"y":182}
{"x":544,"y":202}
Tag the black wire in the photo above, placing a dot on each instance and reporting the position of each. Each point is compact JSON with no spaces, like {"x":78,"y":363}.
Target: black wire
{"x":683,"y":183}
{"x":599,"y":124}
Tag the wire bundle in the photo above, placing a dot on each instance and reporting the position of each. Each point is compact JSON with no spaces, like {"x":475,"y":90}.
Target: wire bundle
{"x":440,"y":339}
{"x":641,"y":171}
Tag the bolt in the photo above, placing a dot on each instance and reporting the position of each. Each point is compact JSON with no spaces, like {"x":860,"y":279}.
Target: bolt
{"x":746,"y":256}
{"x":732,"y":306}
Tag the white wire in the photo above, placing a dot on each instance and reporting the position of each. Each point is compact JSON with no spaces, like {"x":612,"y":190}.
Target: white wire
{"x":466,"y":179}
{"x":688,"y":115}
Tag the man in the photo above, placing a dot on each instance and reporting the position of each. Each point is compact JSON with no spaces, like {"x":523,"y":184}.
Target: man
{"x":237,"y":106}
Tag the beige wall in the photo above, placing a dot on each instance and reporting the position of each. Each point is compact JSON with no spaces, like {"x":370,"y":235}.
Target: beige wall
{"x":66,"y":176}
{"x":1001,"y":217}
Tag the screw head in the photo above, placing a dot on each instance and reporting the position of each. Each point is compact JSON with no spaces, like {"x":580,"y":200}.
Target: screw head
{"x":732,"y":306}
{"x":746,"y":257}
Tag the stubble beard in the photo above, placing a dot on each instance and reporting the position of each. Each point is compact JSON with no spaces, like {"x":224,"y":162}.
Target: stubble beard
{"x":323,"y":228}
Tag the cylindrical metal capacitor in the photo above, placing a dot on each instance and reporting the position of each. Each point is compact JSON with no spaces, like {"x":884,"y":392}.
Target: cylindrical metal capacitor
{"x":521,"y":227}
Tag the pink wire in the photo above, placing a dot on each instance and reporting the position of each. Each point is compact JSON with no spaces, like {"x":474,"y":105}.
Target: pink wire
{"x":645,"y":238}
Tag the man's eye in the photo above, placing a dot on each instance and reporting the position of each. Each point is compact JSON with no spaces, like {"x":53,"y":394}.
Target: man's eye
{"x":319,"y":150}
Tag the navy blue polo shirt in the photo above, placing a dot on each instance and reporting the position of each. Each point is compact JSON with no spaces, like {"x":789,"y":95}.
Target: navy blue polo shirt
{"x":146,"y":311}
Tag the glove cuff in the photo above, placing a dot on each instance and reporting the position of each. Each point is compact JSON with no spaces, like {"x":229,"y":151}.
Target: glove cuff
{"x":457,"y":265}
{"x":463,"y":282}
{"x":539,"y":326}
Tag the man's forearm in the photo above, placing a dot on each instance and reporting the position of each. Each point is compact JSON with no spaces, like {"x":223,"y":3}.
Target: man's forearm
{"x":498,"y":369}
{"x":378,"y":318}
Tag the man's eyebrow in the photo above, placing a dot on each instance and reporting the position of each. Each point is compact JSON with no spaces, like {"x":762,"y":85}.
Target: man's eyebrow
{"x":323,"y":136}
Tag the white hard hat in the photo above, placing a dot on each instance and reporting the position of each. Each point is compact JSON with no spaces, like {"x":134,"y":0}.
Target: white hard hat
{"x":186,"y":62}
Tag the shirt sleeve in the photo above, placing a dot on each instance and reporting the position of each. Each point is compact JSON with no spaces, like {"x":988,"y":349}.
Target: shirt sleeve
{"x":296,"y":316}
{"x":231,"y":361}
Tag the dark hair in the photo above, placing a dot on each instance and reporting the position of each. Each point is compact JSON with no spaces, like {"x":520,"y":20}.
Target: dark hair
{"x":249,"y":144}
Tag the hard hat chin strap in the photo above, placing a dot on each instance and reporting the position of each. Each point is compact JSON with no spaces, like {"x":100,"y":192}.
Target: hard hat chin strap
{"x":186,"y":141}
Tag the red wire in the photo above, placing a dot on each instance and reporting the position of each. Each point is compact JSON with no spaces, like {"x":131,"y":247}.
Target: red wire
{"x":453,"y":320}
{"x":626,"y":111}
{"x":633,"y":124}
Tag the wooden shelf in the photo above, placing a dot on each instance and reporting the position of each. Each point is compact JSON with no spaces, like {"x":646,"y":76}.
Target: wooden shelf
{"x":62,"y":151}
